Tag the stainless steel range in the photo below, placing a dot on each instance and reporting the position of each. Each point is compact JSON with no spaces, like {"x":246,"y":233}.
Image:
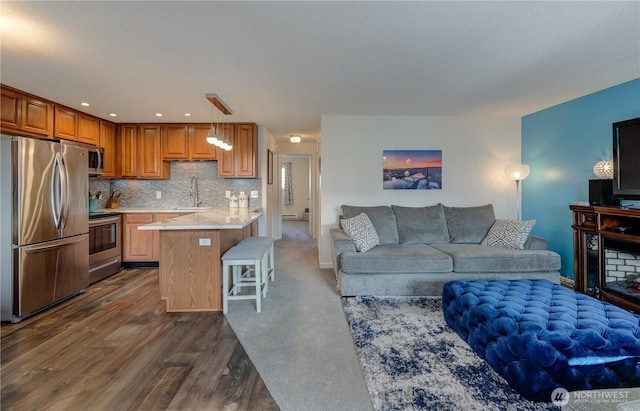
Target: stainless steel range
{"x":104,"y":245}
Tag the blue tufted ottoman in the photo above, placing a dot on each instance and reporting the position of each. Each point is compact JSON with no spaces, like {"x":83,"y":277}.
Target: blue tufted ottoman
{"x":541,"y":336}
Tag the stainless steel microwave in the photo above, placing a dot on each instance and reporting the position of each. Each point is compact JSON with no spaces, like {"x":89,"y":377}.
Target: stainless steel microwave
{"x":96,"y":160}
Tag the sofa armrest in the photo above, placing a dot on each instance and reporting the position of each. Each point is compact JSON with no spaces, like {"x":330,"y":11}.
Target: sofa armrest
{"x":340,"y":243}
{"x":536,"y":243}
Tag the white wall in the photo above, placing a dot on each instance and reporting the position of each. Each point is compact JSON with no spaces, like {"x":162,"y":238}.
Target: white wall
{"x":475,"y":151}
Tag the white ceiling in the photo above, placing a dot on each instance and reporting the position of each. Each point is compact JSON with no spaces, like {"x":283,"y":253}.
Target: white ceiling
{"x":284,"y":64}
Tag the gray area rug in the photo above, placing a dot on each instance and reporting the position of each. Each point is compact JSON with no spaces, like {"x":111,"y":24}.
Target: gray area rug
{"x":412,"y":360}
{"x":300,"y":342}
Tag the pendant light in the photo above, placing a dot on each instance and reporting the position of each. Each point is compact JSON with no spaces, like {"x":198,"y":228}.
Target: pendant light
{"x":211,"y":136}
{"x":219,"y":139}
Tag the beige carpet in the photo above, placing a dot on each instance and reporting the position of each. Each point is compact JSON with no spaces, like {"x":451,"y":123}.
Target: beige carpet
{"x":300,"y":343}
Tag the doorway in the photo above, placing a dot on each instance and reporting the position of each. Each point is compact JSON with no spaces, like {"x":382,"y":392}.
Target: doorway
{"x":296,"y":196}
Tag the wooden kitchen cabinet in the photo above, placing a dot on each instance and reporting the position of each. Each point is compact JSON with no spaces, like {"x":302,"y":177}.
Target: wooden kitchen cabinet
{"x":242,"y":160}
{"x":65,"y":123}
{"x":108,"y":143}
{"x":127,"y":137}
{"x":88,"y":129}
{"x":198,"y":146}
{"x":142,"y":245}
{"x":140,"y":152}
{"x":187,"y":142}
{"x":149,"y":146}
{"x":25,"y":114}
{"x":137,"y":245}
{"x":175,"y":142}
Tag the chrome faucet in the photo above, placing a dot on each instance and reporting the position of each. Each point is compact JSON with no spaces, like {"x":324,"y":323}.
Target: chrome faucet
{"x":193,"y":192}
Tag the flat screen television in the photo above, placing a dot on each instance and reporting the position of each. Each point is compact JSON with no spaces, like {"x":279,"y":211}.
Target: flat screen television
{"x":626,"y":159}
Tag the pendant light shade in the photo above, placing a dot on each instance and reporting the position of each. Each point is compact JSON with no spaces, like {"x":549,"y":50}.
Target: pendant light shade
{"x":211,"y":137}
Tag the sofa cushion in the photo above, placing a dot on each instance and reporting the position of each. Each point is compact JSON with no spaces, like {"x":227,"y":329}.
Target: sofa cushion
{"x":397,"y":258}
{"x":421,"y":225}
{"x":361,"y":231}
{"x":508,"y":234}
{"x":471,"y":258}
{"x":382,"y":218}
{"x":469,"y":225}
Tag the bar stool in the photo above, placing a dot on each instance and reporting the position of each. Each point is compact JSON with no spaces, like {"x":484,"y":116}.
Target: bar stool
{"x":266,"y":242}
{"x":253,"y":258}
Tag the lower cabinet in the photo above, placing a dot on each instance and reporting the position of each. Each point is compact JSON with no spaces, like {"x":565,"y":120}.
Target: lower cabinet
{"x":142,"y":245}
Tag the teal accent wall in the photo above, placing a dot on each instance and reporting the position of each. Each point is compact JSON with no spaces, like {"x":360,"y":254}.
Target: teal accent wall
{"x":561,"y":144}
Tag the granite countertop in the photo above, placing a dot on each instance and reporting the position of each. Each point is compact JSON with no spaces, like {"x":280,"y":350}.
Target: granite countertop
{"x":211,"y":219}
{"x":124,"y":210}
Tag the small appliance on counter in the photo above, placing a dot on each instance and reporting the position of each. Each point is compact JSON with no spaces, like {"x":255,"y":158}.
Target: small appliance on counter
{"x":243,"y":200}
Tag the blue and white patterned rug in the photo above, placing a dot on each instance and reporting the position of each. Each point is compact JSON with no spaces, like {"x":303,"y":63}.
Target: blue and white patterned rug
{"x":411,"y":359}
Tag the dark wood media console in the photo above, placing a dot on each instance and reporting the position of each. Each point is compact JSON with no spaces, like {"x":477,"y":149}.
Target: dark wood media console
{"x":606,"y":248}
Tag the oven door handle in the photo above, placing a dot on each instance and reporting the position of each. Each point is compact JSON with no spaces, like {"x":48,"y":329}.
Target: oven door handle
{"x":104,"y":264}
{"x":103,"y":220}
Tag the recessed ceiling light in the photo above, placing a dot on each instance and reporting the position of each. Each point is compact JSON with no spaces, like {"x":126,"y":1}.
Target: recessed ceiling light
{"x":113,"y":114}
{"x":84,"y":103}
{"x":187,"y":114}
{"x":158,"y":114}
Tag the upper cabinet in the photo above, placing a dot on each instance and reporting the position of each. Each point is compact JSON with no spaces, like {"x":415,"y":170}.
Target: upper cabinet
{"x":140,"y":152}
{"x":242,"y":160}
{"x":150,"y":161}
{"x":66,"y":123}
{"x":187,"y":142}
{"x":132,"y":150}
{"x":198,"y":146}
{"x":88,"y":129}
{"x":74,"y":125}
{"x":25,"y":114}
{"x":126,"y":141}
{"x":108,"y":143}
{"x":175,"y":142}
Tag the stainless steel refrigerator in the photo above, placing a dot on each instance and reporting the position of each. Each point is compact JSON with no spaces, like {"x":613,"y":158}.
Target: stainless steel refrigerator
{"x":49,"y":252}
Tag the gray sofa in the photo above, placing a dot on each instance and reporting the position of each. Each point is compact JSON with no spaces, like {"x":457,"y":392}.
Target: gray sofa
{"x":422,"y":248}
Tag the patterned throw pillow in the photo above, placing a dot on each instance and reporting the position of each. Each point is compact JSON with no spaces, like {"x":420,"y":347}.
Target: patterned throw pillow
{"x":361,"y":231}
{"x":510,"y":234}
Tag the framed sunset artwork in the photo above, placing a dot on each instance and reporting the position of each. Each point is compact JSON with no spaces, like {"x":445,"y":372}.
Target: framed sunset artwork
{"x":412,"y":169}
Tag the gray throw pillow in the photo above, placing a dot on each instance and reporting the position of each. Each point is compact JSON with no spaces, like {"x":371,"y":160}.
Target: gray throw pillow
{"x":511,"y":234}
{"x":421,"y":225}
{"x":381,"y":217}
{"x":361,"y":232}
{"x":469,"y":225}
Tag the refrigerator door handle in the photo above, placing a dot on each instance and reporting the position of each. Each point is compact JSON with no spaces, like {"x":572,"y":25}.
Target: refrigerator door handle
{"x":50,"y":245}
{"x":56,"y":200}
{"x":64,"y":174}
{"x":99,"y":159}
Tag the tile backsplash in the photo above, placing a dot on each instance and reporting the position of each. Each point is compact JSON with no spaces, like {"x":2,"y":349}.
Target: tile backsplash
{"x":175,"y":192}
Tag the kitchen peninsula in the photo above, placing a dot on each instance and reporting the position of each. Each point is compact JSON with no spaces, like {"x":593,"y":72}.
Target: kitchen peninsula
{"x":190,"y":250}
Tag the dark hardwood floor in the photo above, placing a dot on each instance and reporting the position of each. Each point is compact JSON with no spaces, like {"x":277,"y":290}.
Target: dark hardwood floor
{"x":115,"y":348}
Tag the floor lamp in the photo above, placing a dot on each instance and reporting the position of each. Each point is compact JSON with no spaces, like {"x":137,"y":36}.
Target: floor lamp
{"x":517,"y":173}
